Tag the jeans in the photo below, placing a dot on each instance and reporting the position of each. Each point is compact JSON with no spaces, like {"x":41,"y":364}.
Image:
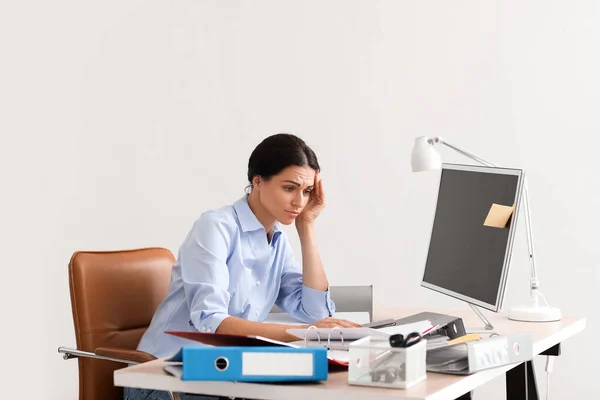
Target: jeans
{"x":149,"y":394}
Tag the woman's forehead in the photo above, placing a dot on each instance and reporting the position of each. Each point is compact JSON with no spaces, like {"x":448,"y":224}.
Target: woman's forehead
{"x":304,"y":175}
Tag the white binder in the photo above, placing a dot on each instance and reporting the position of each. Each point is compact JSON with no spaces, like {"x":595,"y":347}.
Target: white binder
{"x":469,"y":357}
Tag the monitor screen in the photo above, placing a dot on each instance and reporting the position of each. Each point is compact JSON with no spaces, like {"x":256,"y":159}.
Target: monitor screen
{"x":472,"y":235}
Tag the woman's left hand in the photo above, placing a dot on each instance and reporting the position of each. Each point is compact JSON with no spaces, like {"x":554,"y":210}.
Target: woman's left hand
{"x":315,"y":205}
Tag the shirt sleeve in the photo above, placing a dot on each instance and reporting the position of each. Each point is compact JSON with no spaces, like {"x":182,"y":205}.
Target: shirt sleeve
{"x":203,"y":259}
{"x":301,"y":302}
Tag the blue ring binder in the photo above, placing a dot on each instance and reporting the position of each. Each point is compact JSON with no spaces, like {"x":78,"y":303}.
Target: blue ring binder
{"x":250,"y":364}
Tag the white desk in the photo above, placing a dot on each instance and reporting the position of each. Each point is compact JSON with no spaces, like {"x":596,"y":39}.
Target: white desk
{"x":436,"y":387}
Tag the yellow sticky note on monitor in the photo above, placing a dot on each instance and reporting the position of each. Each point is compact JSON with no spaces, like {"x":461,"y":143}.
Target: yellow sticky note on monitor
{"x":499,"y":216}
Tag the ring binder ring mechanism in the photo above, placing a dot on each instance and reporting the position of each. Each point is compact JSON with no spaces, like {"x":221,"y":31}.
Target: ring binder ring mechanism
{"x":329,"y":337}
{"x":319,"y":341}
{"x":306,"y":335}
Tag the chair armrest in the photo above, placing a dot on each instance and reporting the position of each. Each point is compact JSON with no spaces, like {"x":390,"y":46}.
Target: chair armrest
{"x":113,"y":354}
{"x":125,"y":356}
{"x":134,"y":356}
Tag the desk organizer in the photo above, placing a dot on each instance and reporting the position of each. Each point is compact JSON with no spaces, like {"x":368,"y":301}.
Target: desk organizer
{"x":373,"y":362}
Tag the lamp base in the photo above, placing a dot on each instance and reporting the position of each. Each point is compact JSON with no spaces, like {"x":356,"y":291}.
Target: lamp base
{"x":534,"y":313}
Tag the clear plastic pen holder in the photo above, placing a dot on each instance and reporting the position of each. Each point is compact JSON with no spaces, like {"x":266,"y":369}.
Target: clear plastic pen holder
{"x":375,"y":363}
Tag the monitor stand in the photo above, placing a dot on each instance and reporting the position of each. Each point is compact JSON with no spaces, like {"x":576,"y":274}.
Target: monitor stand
{"x":487,"y":329}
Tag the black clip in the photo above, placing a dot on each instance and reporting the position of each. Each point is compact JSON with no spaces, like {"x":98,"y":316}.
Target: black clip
{"x":398,"y":340}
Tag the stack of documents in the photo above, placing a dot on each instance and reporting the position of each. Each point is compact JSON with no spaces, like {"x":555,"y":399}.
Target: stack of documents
{"x":436,"y":341}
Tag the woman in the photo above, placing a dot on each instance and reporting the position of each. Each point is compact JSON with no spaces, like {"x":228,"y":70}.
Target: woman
{"x":235,"y":263}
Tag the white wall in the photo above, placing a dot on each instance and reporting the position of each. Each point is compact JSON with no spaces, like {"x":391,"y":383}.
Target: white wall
{"x":122,"y":121}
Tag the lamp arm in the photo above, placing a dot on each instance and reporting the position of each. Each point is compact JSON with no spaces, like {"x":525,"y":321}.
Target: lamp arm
{"x":440,"y":140}
{"x":534,"y":286}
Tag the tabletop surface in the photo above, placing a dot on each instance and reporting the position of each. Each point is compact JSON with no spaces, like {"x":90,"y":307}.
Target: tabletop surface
{"x":150,"y":375}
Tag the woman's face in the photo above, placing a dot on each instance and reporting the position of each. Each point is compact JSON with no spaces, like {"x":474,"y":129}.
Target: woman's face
{"x":286,"y":194}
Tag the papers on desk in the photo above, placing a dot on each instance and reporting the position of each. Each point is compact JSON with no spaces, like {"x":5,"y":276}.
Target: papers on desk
{"x":437,"y":341}
{"x":329,"y":335}
{"x":340,"y":338}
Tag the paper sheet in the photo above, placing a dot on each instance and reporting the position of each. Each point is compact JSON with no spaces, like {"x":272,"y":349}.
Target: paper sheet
{"x":420,"y":327}
{"x":324,"y":334}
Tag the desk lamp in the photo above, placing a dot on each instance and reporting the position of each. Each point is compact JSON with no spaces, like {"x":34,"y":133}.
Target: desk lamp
{"x":425,"y":158}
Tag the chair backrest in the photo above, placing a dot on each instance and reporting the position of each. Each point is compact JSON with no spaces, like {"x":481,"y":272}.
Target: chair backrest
{"x":349,"y":299}
{"x":114,"y":295}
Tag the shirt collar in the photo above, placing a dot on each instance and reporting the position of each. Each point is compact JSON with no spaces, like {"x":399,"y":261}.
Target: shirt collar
{"x":248,"y":220}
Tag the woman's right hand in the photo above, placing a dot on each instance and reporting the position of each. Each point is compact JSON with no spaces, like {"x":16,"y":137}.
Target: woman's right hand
{"x":331,"y":322}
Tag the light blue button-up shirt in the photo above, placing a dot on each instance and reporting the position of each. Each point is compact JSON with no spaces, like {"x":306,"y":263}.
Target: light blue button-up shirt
{"x":226,"y":267}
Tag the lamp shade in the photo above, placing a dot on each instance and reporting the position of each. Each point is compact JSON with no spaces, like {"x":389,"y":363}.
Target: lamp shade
{"x":424,"y":156}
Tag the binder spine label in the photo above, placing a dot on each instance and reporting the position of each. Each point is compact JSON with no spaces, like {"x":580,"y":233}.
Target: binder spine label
{"x":277,"y":364}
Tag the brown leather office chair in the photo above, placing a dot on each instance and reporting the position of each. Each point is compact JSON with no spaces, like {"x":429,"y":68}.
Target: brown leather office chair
{"x":114,"y":295}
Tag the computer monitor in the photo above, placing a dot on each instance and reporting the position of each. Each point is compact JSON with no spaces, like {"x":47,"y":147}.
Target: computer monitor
{"x":468,"y":256}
